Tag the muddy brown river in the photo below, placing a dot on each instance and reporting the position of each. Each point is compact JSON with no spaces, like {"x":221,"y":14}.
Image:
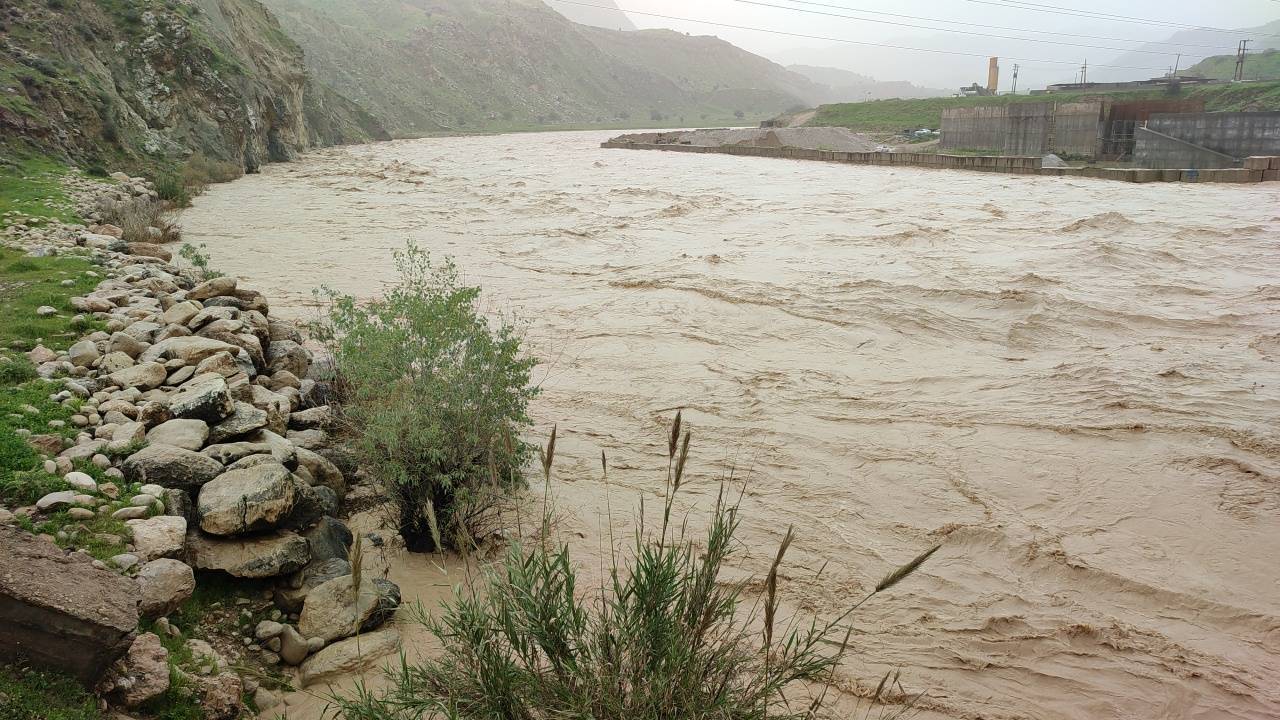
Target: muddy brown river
{"x":1072,"y":385}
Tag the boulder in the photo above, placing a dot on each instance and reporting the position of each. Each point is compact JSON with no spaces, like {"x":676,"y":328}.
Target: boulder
{"x":322,"y":471}
{"x":349,"y":656}
{"x":243,"y":420}
{"x":293,"y":647}
{"x":220,"y":697}
{"x":146,"y":376}
{"x":191,"y":350}
{"x":291,"y":596}
{"x":171,"y":467}
{"x":332,"y":610}
{"x":56,"y":501}
{"x":260,"y":556}
{"x":316,"y":418}
{"x":180,"y":313}
{"x":213,"y":288}
{"x":283,"y":450}
{"x":330,"y":539}
{"x":204,"y":397}
{"x":163,"y":585}
{"x":144,"y":249}
{"x":114,"y":362}
{"x":288,"y":356}
{"x":81,"y":481}
{"x":139,"y":676}
{"x":233,"y":454}
{"x":242,"y":501}
{"x":163,"y":536}
{"x":59,"y":611}
{"x":278,"y":330}
{"x":126,"y":344}
{"x":311,"y":504}
{"x":186,"y":434}
{"x":277,"y":407}
{"x":83,"y":353}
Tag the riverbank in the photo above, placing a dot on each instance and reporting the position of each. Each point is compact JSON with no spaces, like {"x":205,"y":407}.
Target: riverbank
{"x":176,"y":520}
{"x":814,"y":143}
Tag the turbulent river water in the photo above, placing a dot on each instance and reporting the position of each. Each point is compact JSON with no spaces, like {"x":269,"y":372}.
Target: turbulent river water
{"x":1072,"y":385}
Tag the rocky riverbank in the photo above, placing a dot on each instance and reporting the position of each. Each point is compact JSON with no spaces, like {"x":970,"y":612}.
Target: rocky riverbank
{"x":191,"y":546}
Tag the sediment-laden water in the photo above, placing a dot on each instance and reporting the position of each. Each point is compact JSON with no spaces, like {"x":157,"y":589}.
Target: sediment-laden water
{"x":1072,"y":385}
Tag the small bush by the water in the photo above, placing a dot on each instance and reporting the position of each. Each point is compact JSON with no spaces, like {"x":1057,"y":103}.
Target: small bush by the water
{"x":138,"y":217}
{"x":663,"y":637}
{"x":435,"y":397}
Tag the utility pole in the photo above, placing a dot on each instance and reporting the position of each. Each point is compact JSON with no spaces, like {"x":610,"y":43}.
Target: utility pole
{"x":1177,"y":63}
{"x":1015,"y":78}
{"x":1240,"y":55}
{"x":1084,"y":73}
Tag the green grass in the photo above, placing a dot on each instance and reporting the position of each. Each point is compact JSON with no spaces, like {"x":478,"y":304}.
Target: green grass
{"x":1259,"y":66}
{"x":898,"y":115}
{"x":35,"y":695}
{"x":33,"y":187}
{"x":28,"y":283}
{"x":22,"y":480}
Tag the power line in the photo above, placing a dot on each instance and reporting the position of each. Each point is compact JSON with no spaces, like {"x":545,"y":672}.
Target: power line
{"x":1074,"y":12}
{"x":1001,"y":27}
{"x":837,"y":40}
{"x":948,"y":30}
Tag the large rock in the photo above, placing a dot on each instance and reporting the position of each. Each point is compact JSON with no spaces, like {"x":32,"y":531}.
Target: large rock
{"x":242,"y":501}
{"x":322,"y":471}
{"x":83,"y":353}
{"x":220,"y":697}
{"x":180,"y":313}
{"x":59,"y":611}
{"x":163,"y":585}
{"x":139,"y":676}
{"x":163,"y":536}
{"x":186,"y":434}
{"x":243,"y":420}
{"x":171,"y":467}
{"x":293,"y":647}
{"x":191,"y":350}
{"x":260,"y":556}
{"x":289,"y":597}
{"x":330,"y":538}
{"x":349,"y":656}
{"x":332,"y":611}
{"x":204,"y":397}
{"x":126,"y":344}
{"x":213,"y":288}
{"x":146,"y":376}
{"x":289,"y":356}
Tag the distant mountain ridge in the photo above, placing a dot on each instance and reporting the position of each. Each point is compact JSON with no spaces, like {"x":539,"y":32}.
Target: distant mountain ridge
{"x":846,"y":86}
{"x":610,"y":18}
{"x":429,"y":66}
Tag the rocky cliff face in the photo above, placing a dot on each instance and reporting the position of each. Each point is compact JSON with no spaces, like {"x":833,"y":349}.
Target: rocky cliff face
{"x":155,"y":81}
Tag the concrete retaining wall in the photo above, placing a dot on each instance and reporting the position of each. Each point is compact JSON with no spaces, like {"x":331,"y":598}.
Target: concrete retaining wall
{"x":1239,"y":134}
{"x":1153,"y":149}
{"x":1025,"y":128}
{"x":978,"y":163}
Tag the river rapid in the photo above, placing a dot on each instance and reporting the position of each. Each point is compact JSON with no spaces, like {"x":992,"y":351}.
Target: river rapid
{"x":1072,"y":385}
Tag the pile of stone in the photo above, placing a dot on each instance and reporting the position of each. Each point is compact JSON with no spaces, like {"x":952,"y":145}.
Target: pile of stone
{"x":197,"y":405}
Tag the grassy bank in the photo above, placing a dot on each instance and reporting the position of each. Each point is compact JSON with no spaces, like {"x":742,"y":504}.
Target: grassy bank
{"x":897,"y":115}
{"x":30,"y":186}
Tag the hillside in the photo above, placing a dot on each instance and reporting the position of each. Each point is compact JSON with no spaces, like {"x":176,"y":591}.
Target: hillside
{"x":430,"y":66}
{"x":146,"y":82}
{"x":610,"y":18}
{"x":1264,"y":65}
{"x":897,"y":115}
{"x":1195,"y":42}
{"x":845,"y":85}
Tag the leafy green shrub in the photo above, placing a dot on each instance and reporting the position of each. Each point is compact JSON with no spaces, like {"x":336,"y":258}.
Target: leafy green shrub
{"x":667,"y":638}
{"x":199,"y":259}
{"x":435,"y":397}
{"x":25,"y":487}
{"x":173,"y":189}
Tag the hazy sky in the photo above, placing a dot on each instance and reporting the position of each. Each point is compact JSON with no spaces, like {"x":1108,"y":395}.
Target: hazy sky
{"x":947,"y":70}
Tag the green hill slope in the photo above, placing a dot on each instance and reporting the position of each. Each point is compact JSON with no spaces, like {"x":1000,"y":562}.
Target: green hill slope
{"x":148,"y":82}
{"x":896,"y":115}
{"x":454,"y":65}
{"x":1258,"y":66}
